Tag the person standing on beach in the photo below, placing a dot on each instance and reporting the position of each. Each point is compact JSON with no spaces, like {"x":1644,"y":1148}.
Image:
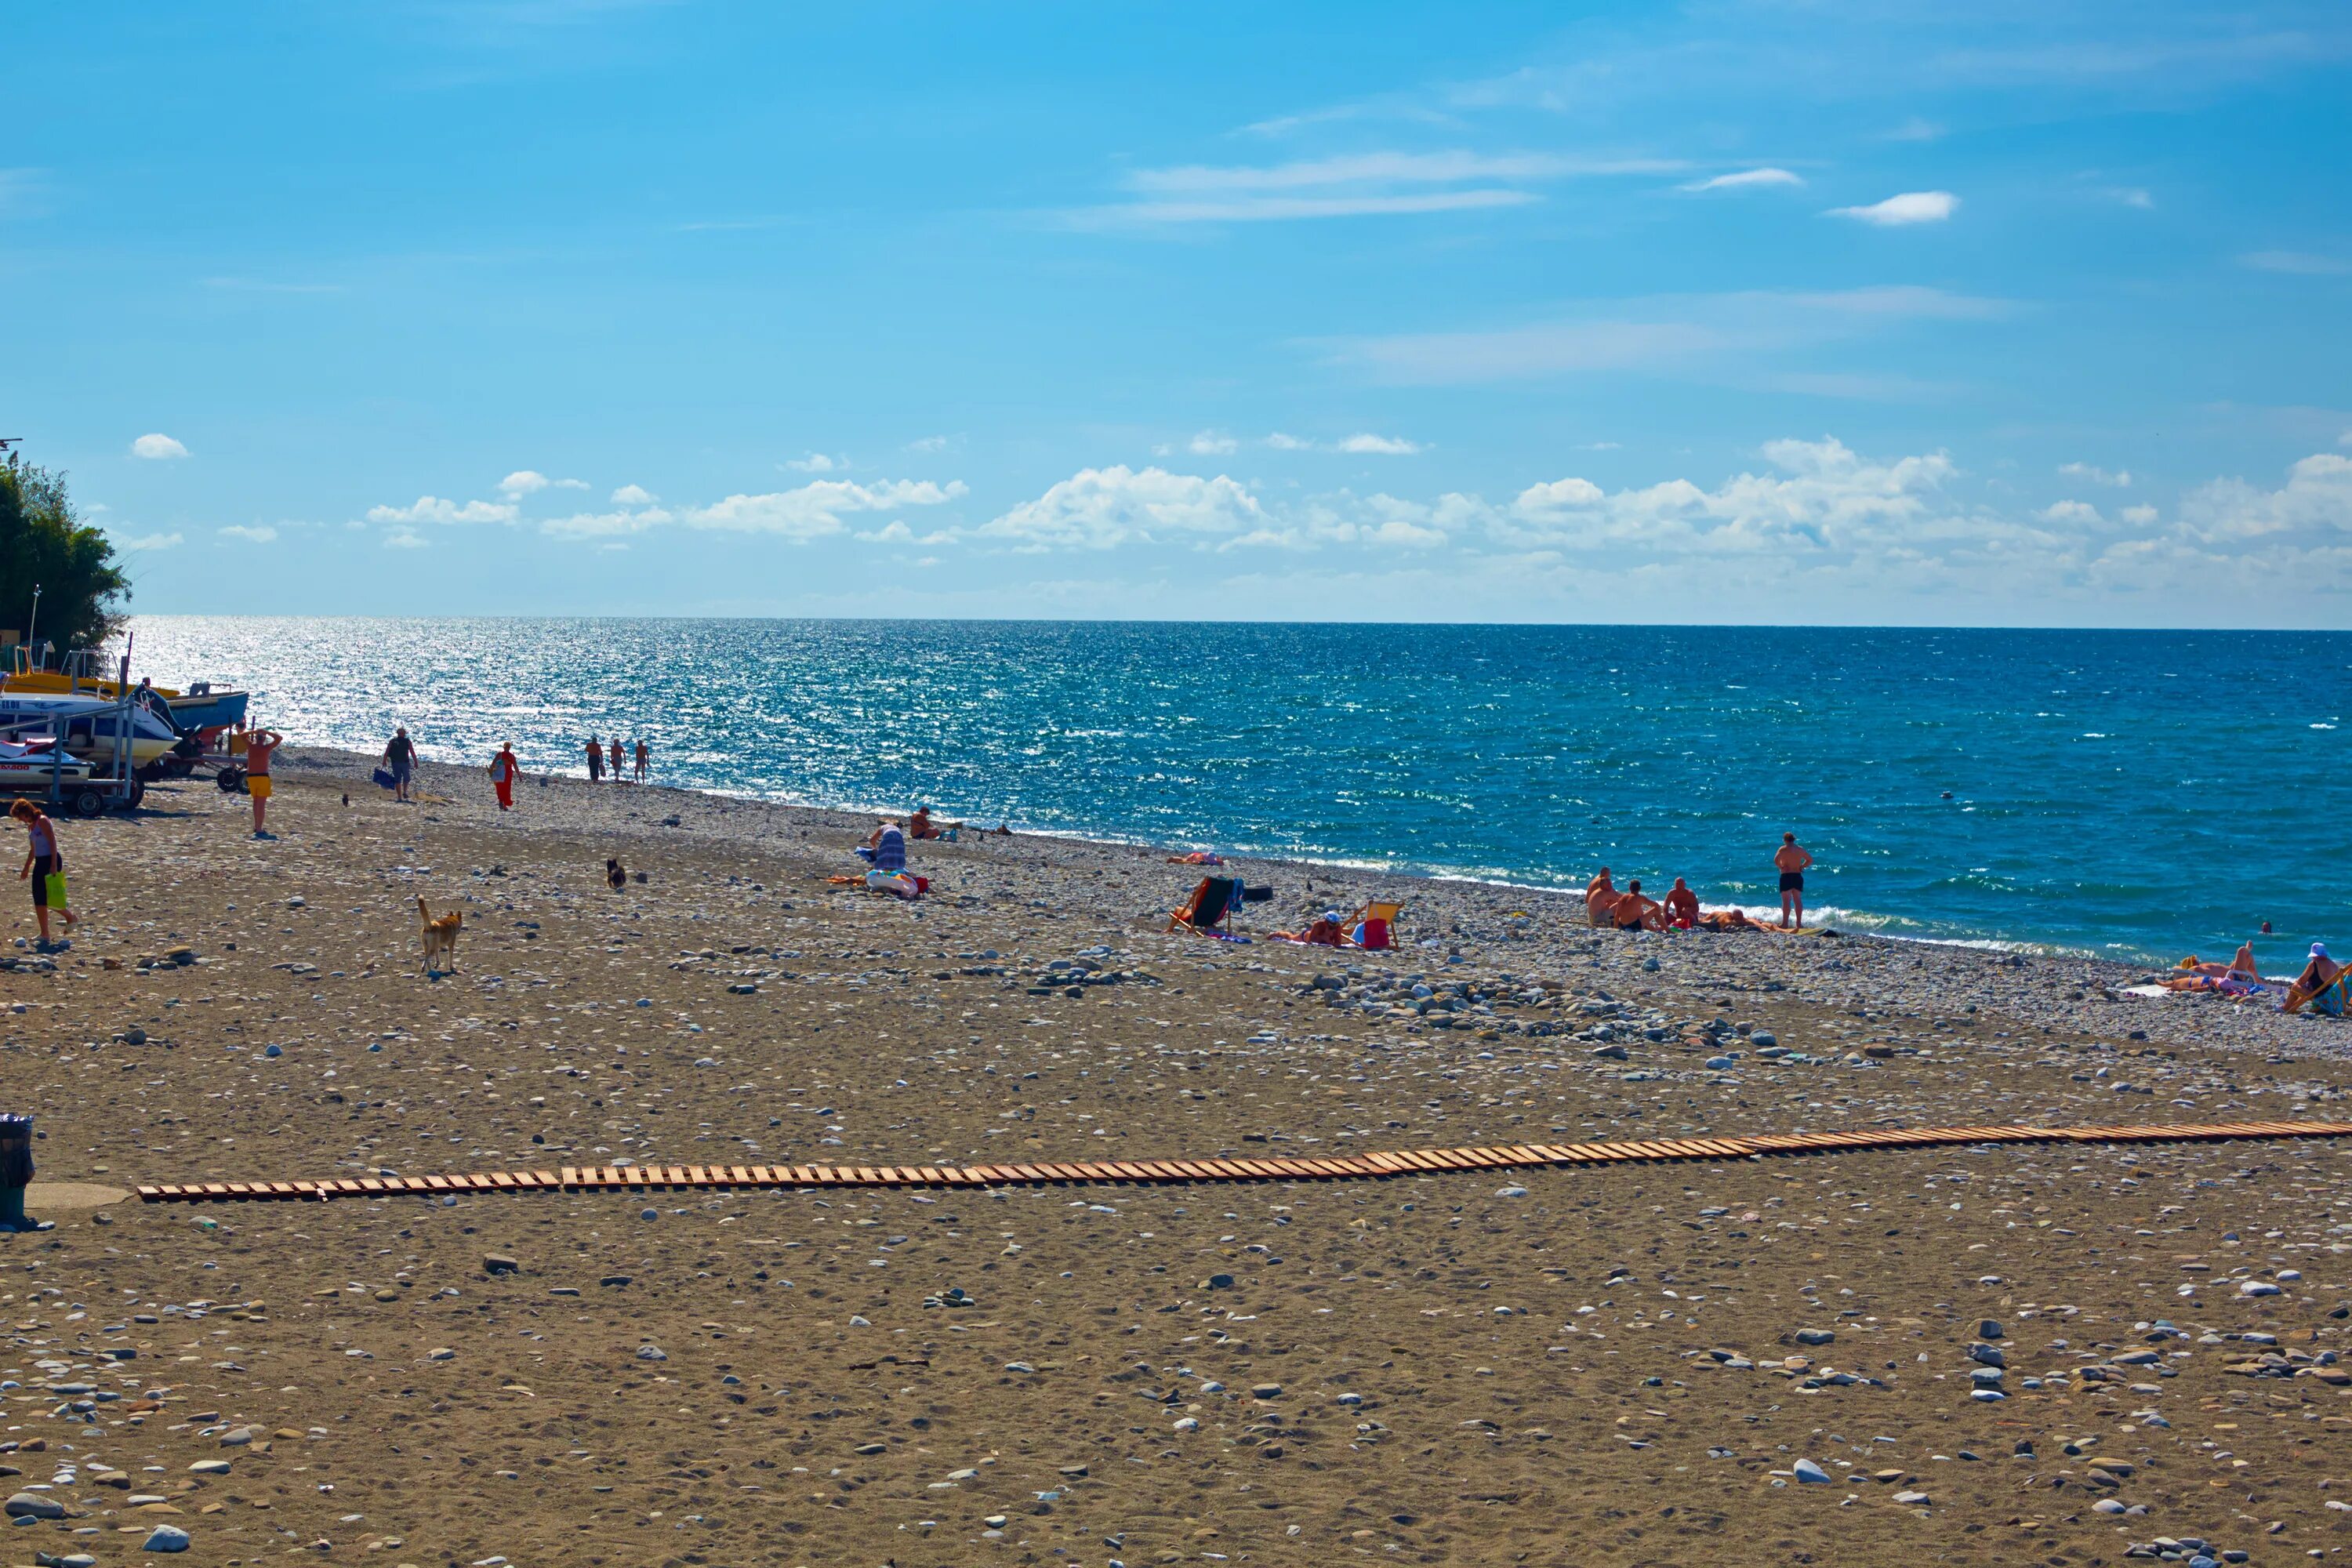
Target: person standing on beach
{"x":645,"y":759}
{"x":1793,"y":862}
{"x":615,"y":759}
{"x":261,"y":745}
{"x":42,"y":862}
{"x":503,"y":768}
{"x":400,"y":756}
{"x":595,"y":759}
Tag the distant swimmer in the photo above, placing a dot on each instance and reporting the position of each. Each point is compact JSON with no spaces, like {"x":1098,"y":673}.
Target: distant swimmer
{"x":1793,"y":862}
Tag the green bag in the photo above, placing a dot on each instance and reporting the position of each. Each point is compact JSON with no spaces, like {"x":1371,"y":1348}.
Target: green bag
{"x":56,"y":891}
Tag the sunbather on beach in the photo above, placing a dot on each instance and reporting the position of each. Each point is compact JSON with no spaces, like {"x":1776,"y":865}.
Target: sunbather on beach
{"x":1324,"y":930}
{"x":2316,"y":977}
{"x":1601,"y":900}
{"x":1682,"y":905}
{"x":1633,"y":912}
{"x":920,"y":824}
{"x":886,"y":848}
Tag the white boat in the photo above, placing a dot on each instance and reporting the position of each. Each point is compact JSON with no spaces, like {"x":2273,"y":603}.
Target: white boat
{"x":32,"y":768}
{"x":90,"y":726}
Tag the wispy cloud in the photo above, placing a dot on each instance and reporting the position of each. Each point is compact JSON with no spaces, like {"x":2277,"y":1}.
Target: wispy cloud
{"x":405,"y":539}
{"x":2302,"y":263}
{"x":1747,"y":179}
{"x":1383,"y":445}
{"x":260,"y":534}
{"x":1359,"y":184}
{"x":150,"y":542}
{"x":157,"y":448}
{"x":1667,"y":333}
{"x":2118,"y":478}
{"x":816,"y":463}
{"x":1909,"y":208}
{"x":812,"y":511}
{"x":634,"y":495}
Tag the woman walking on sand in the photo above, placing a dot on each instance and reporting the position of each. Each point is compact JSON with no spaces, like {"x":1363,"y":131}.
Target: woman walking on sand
{"x":503,"y":768}
{"x":45,"y":866}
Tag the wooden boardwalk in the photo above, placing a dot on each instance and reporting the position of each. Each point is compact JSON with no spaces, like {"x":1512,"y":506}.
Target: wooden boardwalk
{"x":1289,"y":1168}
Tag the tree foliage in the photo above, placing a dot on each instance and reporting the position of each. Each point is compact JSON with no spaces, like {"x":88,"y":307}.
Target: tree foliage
{"x":42,"y":540}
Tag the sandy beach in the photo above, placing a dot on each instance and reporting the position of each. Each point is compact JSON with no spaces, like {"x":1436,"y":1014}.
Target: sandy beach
{"x":1636,"y":1365}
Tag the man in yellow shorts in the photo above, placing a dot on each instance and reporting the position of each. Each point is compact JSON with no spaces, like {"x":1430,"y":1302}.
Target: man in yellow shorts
{"x":259,"y":746}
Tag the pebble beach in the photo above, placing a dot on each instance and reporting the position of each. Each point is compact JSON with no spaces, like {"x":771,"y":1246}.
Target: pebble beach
{"x":2034,"y":1354}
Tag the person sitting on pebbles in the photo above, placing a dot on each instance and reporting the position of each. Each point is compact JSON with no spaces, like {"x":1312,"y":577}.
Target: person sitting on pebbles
{"x":1324,"y":930}
{"x":920,"y":826}
{"x":1601,"y":900}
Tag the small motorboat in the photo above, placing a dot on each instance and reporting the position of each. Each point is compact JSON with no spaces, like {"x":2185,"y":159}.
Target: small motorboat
{"x":202,"y":707}
{"x":31,"y":767}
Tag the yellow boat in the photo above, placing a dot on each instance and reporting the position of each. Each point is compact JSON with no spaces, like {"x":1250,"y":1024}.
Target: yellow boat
{"x":200,"y":707}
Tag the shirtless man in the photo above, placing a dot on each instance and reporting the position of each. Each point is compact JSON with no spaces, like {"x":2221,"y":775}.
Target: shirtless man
{"x":1599,"y":899}
{"x":1681,"y":904}
{"x":1633,"y":912}
{"x":1793,"y":862}
{"x":261,"y":745}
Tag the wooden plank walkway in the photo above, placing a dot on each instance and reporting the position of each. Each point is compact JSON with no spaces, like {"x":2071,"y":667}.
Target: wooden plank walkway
{"x":1170,"y":1172}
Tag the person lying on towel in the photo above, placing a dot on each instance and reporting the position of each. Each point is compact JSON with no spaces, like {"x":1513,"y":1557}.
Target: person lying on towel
{"x":1324,"y":931}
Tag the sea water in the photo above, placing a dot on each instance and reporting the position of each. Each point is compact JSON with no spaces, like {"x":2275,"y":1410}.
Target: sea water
{"x":2141,"y":795}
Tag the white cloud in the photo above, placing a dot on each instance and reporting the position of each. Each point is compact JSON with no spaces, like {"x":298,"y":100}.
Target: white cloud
{"x":815,"y":509}
{"x":2079,"y":511}
{"x":2140,"y":515}
{"x":531,"y":481}
{"x":634,"y":495}
{"x":259,"y":535}
{"x":1101,"y":508}
{"x":1386,"y":445}
{"x":2118,"y":478}
{"x":1389,"y":168}
{"x":2130,"y":196}
{"x":1211,"y":444}
{"x":895,"y":531}
{"x":150,"y":542}
{"x":1265,"y":209}
{"x":1915,"y":130}
{"x":157,"y":446}
{"x":1358,"y":184}
{"x":405,"y":539}
{"x":1747,"y":179}
{"x":1910,"y":207}
{"x":816,"y":463}
{"x":2301,"y":263}
{"x":930,"y":444}
{"x":1282,"y":443}
{"x":1702,"y":331}
{"x":604,"y":524}
{"x":1825,"y":498}
{"x":2314,"y":506}
{"x":432,"y":509}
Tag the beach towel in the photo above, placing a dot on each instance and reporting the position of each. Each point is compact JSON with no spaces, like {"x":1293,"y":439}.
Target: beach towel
{"x":2334,"y":998}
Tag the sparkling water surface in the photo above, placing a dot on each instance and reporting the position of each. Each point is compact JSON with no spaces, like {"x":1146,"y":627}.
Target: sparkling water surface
{"x":2131,"y":794}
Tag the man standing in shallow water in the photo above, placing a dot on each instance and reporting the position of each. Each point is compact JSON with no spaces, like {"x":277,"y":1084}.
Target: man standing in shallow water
{"x":1792,"y":861}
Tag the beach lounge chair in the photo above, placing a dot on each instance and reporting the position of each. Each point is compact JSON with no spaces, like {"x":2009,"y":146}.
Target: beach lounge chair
{"x":2334,"y":999}
{"x":1373,"y":927}
{"x":1210,"y":907}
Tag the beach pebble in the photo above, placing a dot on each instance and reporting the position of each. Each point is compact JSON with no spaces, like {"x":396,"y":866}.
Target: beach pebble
{"x":441,"y":1354}
{"x":209,"y":1468}
{"x":1815,"y":1337}
{"x":1810,"y":1473}
{"x":1510,"y":1191}
{"x":273,"y":1050}
{"x":1989,"y":1329}
{"x":1916,"y":1500}
{"x":498,"y":1263}
{"x":165,"y":1538}
{"x":2257,"y":1288}
{"x":33,"y":1505}
{"x":1763,"y":1037}
{"x":652,"y":1352}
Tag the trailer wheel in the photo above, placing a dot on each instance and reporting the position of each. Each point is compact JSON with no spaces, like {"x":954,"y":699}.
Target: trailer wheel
{"x":231,"y":779}
{"x":89,"y":802}
{"x":138,"y":794}
{"x":150,"y":772}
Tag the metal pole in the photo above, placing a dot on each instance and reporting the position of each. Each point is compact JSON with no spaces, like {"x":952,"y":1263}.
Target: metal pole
{"x":32,"y":620}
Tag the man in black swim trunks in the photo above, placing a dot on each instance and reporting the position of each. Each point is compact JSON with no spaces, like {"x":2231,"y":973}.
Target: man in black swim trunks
{"x":1635,"y":911}
{"x":1792,"y":861}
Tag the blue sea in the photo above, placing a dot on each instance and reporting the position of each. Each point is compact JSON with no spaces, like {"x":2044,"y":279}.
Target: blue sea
{"x":2137,"y":795}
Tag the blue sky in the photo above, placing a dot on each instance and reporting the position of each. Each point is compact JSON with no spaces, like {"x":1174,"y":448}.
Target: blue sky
{"x":1789,"y":312}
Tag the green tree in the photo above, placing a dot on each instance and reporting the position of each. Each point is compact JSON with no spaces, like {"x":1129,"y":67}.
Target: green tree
{"x":43,"y":542}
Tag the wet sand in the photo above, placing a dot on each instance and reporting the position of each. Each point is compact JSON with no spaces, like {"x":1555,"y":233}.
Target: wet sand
{"x":1614,"y":1365}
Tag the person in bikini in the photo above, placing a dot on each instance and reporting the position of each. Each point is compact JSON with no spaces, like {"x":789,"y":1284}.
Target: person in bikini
{"x":1793,"y":862}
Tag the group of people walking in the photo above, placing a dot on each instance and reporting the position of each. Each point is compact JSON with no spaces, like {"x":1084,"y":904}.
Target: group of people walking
{"x":613,"y":756}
